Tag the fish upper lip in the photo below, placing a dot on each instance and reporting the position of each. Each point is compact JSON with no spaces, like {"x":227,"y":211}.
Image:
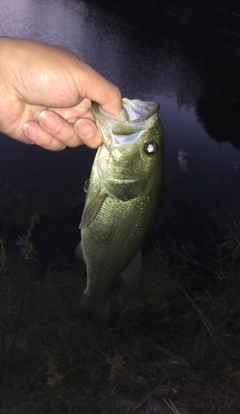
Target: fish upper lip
{"x":97,"y":109}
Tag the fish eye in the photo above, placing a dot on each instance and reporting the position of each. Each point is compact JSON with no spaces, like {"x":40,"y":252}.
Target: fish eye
{"x":150,"y":148}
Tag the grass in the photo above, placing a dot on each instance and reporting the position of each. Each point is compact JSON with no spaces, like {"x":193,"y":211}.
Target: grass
{"x":174,"y":342}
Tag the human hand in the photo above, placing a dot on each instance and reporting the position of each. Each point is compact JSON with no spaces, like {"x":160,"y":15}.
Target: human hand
{"x":46,"y":94}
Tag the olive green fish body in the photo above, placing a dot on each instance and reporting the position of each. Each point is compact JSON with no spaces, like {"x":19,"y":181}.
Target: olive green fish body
{"x":122,"y":195}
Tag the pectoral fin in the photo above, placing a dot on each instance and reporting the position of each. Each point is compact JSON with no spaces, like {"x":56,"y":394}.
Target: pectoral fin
{"x":91,"y":209}
{"x":86,"y":185}
{"x":132,"y":273}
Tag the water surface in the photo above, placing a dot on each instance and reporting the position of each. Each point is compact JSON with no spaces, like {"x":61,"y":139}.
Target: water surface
{"x":171,"y":57}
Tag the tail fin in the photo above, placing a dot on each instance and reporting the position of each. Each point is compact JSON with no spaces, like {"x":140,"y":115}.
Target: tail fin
{"x":94,"y":312}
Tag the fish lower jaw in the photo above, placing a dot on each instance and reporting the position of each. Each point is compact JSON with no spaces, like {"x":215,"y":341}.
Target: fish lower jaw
{"x":123,"y":180}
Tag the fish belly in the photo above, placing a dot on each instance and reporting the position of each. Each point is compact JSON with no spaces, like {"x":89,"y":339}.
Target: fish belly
{"x":111,"y":240}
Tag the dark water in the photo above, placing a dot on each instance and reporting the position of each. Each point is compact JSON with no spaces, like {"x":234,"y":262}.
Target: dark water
{"x":187,"y":61}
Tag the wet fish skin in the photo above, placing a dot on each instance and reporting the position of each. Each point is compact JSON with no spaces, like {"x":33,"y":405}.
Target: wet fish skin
{"x":121,"y":199}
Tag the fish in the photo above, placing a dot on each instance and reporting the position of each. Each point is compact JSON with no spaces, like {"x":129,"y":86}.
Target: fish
{"x":122,"y":196}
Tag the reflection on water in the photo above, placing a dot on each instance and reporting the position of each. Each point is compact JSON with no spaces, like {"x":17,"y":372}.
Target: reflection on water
{"x":220,"y":115}
{"x":191,"y":70}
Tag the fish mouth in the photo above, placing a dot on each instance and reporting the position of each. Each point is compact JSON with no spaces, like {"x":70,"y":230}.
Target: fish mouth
{"x":133,"y":120}
{"x":133,"y":111}
{"x":138,"y":111}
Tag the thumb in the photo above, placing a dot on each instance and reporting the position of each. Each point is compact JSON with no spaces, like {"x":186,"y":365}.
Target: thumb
{"x":94,"y":86}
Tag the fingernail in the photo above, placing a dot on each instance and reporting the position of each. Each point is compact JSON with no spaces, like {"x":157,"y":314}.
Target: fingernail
{"x":84,"y":129}
{"x":49,"y":121}
{"x":30,"y":130}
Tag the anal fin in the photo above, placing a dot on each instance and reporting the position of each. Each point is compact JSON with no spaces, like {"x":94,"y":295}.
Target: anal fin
{"x":132,"y":273}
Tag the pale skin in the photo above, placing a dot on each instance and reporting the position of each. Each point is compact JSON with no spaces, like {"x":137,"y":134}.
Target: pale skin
{"x":46,"y":93}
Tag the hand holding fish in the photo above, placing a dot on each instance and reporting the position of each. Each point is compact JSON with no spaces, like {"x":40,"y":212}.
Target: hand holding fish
{"x":46,"y":93}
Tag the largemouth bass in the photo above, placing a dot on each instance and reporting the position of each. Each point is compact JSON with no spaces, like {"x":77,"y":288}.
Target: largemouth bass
{"x":122,"y":195}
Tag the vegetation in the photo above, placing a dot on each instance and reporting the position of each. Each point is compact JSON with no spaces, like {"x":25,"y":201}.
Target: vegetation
{"x":173,"y":345}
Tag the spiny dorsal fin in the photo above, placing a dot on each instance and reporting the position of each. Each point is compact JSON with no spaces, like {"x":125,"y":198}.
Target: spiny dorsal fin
{"x":86,"y":185}
{"x":78,"y":252}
